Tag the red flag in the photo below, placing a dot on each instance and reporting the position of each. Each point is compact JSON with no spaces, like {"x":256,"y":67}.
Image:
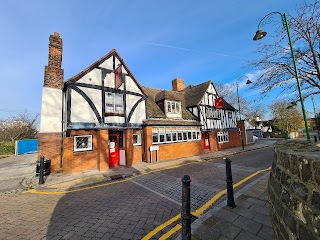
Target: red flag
{"x":218,"y":102}
{"x":118,"y":76}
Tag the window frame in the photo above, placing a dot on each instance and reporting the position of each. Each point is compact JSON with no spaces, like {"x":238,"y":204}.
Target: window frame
{"x":116,"y":107}
{"x":223,"y":137}
{"x":186,"y":134}
{"x":139,"y":140}
{"x":173,"y":107}
{"x":90,"y":148}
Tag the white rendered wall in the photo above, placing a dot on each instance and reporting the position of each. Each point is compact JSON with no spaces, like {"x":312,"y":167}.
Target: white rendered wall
{"x":81,"y":110}
{"x":132,"y":86}
{"x":93,"y":77}
{"x":114,"y":119}
{"x":51,"y":110}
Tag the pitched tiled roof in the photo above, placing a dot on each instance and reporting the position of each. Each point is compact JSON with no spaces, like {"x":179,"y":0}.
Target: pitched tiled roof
{"x":169,"y":95}
{"x":153,"y":110}
{"x":194,"y":94}
{"x":155,"y":95}
{"x":171,"y":122}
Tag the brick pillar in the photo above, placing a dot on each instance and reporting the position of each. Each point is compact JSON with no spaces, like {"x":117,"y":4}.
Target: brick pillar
{"x":53,"y":73}
{"x":147,"y":137}
{"x":129,"y":147}
{"x":103,"y":150}
{"x":240,"y":124}
{"x":68,"y":145}
{"x":213,"y":141}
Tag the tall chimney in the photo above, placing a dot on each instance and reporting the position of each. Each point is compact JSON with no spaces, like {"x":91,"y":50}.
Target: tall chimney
{"x":177,"y":84}
{"x":53,"y":73}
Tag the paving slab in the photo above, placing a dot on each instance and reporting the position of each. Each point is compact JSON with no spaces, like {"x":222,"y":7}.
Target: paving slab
{"x":248,"y":220}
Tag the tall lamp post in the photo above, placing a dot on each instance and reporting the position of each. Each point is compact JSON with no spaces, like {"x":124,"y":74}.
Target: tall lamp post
{"x":260,"y":34}
{"x":239,"y":108}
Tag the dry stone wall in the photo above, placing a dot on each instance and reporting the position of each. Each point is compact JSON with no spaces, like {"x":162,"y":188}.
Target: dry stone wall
{"x":294,"y":190}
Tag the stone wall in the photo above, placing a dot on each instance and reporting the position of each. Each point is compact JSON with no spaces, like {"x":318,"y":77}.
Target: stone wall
{"x":294,"y":190}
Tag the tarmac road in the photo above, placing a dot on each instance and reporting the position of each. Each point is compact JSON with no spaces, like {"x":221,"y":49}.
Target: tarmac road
{"x":125,"y":210}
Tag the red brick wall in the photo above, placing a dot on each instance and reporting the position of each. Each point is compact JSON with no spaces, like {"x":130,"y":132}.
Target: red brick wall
{"x":103,"y":150}
{"x":80,"y":161}
{"x":171,"y":150}
{"x":178,"y":150}
{"x":234,"y":139}
{"x":137,"y":154}
{"x":137,"y":150}
{"x":49,"y":146}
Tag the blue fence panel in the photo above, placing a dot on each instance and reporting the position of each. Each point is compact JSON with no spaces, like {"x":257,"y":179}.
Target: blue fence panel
{"x":27,"y":146}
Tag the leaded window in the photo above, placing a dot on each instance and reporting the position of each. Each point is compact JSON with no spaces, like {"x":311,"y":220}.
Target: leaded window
{"x":83,"y":143}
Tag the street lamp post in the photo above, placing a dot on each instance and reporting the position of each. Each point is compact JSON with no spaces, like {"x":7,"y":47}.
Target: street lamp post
{"x":239,"y":108}
{"x":260,"y":34}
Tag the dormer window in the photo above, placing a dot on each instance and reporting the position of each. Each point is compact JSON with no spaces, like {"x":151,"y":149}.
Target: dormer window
{"x":173,"y":107}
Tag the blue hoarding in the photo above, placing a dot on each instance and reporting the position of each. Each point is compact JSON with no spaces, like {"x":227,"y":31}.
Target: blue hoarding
{"x":27,"y":146}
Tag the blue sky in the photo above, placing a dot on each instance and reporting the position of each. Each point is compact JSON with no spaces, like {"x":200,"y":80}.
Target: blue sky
{"x":158,"y":40}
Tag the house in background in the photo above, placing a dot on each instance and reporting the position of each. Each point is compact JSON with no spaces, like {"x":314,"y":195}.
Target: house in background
{"x":102,"y":117}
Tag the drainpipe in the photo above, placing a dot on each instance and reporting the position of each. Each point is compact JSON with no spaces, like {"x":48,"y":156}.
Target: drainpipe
{"x":62,"y":125}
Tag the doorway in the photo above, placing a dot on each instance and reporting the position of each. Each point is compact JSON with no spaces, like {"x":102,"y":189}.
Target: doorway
{"x":114,"y":147}
{"x":205,"y":137}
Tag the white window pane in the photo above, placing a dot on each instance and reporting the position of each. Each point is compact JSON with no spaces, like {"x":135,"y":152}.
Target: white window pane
{"x":173,"y":106}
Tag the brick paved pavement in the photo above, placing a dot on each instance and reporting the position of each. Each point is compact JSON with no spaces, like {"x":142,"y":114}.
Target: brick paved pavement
{"x":248,"y":220}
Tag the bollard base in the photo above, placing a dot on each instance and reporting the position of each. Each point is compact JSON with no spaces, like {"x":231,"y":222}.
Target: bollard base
{"x":231,"y":204}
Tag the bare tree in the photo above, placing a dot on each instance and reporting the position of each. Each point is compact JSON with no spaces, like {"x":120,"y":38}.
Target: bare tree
{"x":249,"y":110}
{"x":22,"y":126}
{"x":275,"y":59}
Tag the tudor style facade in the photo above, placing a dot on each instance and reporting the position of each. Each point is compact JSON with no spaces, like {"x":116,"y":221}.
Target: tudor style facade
{"x":102,"y":117}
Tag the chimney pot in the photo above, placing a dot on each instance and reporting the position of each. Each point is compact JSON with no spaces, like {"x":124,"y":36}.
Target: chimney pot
{"x":177,"y":84}
{"x":53,"y":73}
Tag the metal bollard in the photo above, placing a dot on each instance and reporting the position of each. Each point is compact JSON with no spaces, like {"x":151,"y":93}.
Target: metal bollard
{"x":230,"y":201}
{"x":315,"y":138}
{"x":41,"y":169}
{"x":185,"y":214}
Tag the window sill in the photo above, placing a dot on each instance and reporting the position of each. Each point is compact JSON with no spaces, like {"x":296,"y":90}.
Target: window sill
{"x":114,"y":114}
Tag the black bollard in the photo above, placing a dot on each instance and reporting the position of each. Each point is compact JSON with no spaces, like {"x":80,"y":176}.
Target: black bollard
{"x":230,"y":201}
{"x":41,"y":169}
{"x":315,"y":138}
{"x":185,"y":214}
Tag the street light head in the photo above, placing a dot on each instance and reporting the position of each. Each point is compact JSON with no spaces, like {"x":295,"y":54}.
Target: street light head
{"x":248,"y":81}
{"x":259,"y":35}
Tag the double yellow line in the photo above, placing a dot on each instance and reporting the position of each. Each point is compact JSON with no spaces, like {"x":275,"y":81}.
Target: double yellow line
{"x":197,"y":213}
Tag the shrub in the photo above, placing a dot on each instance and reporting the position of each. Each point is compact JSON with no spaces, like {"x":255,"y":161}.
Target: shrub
{"x":7,"y":148}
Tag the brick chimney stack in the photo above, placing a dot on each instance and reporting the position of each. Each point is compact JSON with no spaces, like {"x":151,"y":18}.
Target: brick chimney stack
{"x":177,"y":84}
{"x":53,"y":73}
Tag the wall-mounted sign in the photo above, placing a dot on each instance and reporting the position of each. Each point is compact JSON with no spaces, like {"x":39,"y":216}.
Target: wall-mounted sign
{"x":218,"y":103}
